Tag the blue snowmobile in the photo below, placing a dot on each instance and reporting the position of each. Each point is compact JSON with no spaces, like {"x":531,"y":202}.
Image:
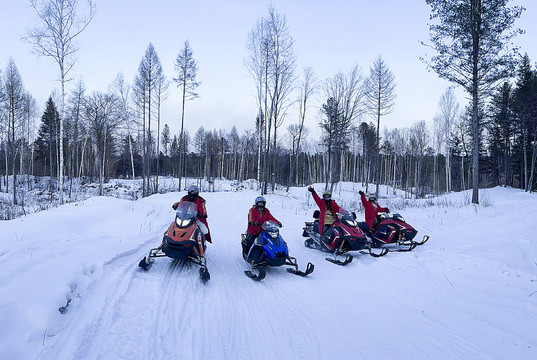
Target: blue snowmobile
{"x":269,"y":249}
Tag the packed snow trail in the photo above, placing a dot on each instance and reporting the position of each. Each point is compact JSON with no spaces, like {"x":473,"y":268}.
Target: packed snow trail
{"x":464,"y":294}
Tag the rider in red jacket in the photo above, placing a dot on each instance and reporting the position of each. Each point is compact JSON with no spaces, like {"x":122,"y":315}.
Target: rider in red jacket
{"x":328,"y":208}
{"x":372,"y":208}
{"x":201,"y":217}
{"x":257,"y":215}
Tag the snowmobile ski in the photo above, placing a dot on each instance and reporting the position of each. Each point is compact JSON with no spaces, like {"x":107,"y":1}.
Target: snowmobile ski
{"x":261,"y":273}
{"x":309,"y":269}
{"x":382,"y":252}
{"x":335,"y":260}
{"x":63,"y":309}
{"x":204,"y":274}
{"x":291,"y":261}
{"x":410,"y":247}
{"x":423,"y":241}
{"x":145,"y":263}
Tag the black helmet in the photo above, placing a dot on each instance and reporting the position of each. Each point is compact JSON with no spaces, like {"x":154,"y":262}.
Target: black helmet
{"x":193,"y":190}
{"x":260,"y":202}
{"x":372,"y":198}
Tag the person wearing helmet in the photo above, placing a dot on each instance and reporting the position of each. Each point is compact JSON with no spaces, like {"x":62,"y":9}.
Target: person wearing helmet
{"x":201,"y":218}
{"x":328,"y":207}
{"x":257,"y":215}
{"x":372,"y":209}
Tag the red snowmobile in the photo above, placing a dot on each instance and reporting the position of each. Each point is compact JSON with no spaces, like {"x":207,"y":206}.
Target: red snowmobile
{"x":182,"y":241}
{"x":392,"y":232}
{"x":344,"y":235}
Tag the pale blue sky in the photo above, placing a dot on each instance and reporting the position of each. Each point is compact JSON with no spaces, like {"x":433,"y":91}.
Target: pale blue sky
{"x":330,"y":36}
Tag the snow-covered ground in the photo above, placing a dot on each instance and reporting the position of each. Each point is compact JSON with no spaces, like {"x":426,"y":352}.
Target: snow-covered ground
{"x":468,"y":293}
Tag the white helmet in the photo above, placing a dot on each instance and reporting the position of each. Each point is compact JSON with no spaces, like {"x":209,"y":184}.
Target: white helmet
{"x":260,"y":202}
{"x":193,"y":190}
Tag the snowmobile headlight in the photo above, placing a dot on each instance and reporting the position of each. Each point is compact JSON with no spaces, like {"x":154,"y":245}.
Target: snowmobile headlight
{"x":273,"y":234}
{"x":182,"y":222}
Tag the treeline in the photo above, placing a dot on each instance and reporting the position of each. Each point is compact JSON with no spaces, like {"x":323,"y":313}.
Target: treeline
{"x":104,"y":138}
{"x":414,"y":159}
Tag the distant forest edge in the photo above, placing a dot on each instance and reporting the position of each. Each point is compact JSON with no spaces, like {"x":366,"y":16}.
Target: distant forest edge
{"x":118,"y":133}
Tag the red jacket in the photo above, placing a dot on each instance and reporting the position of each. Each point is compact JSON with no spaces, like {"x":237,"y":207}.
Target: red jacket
{"x":202,"y":211}
{"x":256,"y":218}
{"x":371,"y":211}
{"x":322,"y":207}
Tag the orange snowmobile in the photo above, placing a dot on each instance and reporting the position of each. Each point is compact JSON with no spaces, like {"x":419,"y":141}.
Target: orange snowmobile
{"x":182,"y":241}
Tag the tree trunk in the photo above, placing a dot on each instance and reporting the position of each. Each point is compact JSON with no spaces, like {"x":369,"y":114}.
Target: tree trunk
{"x":60,"y":174}
{"x":533,"y":159}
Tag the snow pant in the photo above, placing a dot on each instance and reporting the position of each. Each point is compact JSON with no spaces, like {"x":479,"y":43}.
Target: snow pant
{"x":204,"y":229}
{"x":327,"y":234}
{"x":364,"y":228}
{"x":247,"y":244}
{"x":255,"y":254}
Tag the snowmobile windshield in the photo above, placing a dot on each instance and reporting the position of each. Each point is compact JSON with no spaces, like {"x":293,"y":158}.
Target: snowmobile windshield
{"x":271,"y":228}
{"x":186,"y":212}
{"x":347,"y":217}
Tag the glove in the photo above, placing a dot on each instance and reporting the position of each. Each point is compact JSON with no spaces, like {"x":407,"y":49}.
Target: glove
{"x":174,"y":206}
{"x":387,"y":210}
{"x":360,"y":192}
{"x":311,"y":189}
{"x":280,"y":224}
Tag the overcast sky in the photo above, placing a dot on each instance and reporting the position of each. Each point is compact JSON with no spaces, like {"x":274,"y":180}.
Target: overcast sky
{"x":329,"y":36}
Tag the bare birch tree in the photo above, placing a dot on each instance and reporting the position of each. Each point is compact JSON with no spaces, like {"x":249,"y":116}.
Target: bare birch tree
{"x":55,"y":37}
{"x":448,"y":111}
{"x":380,"y":94}
{"x":308,"y":88}
{"x":271,"y":64}
{"x":122,"y":90}
{"x":101,"y":112}
{"x":14,"y":104}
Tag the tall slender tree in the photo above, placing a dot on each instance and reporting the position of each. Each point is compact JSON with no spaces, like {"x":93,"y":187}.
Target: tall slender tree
{"x":161,"y":94}
{"x":186,"y":68}
{"x":308,"y":88}
{"x":271,"y":64}
{"x":122,"y":91}
{"x":14,"y":103}
{"x":146,"y":86}
{"x":380,"y":95}
{"x":55,"y":37}
{"x":101,"y":112}
{"x":448,"y":111}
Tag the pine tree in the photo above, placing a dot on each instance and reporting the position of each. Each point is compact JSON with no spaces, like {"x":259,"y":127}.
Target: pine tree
{"x":46,"y":141}
{"x":473,"y":42}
